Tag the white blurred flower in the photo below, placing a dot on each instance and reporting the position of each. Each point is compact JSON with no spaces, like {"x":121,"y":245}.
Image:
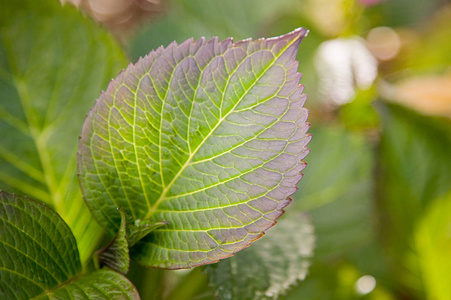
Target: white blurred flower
{"x":342,"y":65}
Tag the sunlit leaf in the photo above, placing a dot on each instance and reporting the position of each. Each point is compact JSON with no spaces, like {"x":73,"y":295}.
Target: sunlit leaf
{"x":433,"y":247}
{"x":206,"y":135}
{"x":270,"y":266}
{"x":53,"y":63}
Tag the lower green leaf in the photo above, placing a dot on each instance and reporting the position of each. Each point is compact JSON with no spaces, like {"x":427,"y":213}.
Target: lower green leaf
{"x":39,"y":258}
{"x":102,"y":284}
{"x":37,"y":249}
{"x":270,"y":266}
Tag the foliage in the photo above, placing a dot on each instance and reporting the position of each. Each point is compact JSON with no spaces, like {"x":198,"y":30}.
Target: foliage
{"x":186,"y":158}
{"x":43,"y":104}
{"x":370,"y":219}
{"x":40,"y":257}
{"x":207,"y":136}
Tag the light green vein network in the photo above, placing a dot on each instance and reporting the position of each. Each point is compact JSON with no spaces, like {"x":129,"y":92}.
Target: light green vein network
{"x":206,"y":135}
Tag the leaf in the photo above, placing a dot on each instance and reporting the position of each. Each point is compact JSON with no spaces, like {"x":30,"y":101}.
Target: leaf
{"x":37,"y":249}
{"x":116,"y":254}
{"x":337,"y":192}
{"x":270,"y":266}
{"x":433,"y":245}
{"x":53,"y":63}
{"x":140,"y":228}
{"x":39,"y":257}
{"x":102,"y":284}
{"x":208,"y":136}
{"x":407,"y":188}
{"x":413,"y":172}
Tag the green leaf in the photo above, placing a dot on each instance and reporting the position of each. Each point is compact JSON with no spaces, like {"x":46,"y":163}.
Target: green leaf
{"x":270,"y":266}
{"x":53,"y":64}
{"x":208,"y":136}
{"x":39,"y":257}
{"x":433,"y":247}
{"x":413,"y":172}
{"x":37,"y":250}
{"x":414,"y":167}
{"x":102,"y":284}
{"x":140,"y":228}
{"x":116,"y":254}
{"x":337,"y":191}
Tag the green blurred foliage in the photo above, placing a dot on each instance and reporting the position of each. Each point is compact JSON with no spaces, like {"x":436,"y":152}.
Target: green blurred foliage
{"x":50,"y":74}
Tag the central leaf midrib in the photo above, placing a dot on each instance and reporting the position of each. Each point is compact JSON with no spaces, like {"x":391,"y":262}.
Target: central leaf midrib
{"x":38,"y":135}
{"x":168,"y":187}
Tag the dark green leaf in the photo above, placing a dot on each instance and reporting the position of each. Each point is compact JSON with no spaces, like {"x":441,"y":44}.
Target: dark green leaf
{"x":337,"y":190}
{"x":413,"y":172}
{"x":53,"y":64}
{"x":102,"y":284}
{"x":137,"y":230}
{"x":37,"y":250}
{"x":208,"y":136}
{"x":39,"y":257}
{"x":116,"y":254}
{"x":270,"y":266}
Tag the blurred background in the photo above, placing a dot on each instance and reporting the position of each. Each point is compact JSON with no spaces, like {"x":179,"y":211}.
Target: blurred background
{"x":378,"y":182}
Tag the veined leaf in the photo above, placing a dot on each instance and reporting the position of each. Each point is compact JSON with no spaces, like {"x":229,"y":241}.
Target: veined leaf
{"x":53,"y":62}
{"x":270,"y":266}
{"x":116,"y":254}
{"x":138,"y":229}
{"x":37,"y":249}
{"x":206,"y":135}
{"x":39,"y":257}
{"x":100,"y":285}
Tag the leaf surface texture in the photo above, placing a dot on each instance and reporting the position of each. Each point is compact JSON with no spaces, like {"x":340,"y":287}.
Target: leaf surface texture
{"x":206,"y":135}
{"x":39,"y":257}
{"x":270,"y":266}
{"x":102,"y":285}
{"x":37,"y":249}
